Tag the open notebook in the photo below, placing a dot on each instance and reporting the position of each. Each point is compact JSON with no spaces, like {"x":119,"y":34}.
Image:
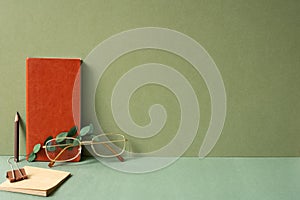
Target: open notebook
{"x":40,"y":181}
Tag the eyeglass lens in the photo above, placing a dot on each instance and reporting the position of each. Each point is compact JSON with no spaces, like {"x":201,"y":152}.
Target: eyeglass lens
{"x":65,"y":150}
{"x":108,"y":145}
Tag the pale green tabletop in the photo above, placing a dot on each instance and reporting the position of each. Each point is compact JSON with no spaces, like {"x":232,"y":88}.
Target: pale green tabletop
{"x":187,"y":178}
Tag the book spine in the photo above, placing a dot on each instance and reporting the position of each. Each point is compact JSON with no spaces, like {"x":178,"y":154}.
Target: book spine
{"x":27,"y":113}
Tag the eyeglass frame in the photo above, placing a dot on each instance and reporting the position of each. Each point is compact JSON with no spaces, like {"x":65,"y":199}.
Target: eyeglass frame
{"x":85,"y":143}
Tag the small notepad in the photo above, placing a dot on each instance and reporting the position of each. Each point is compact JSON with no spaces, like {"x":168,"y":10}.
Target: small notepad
{"x":40,"y":181}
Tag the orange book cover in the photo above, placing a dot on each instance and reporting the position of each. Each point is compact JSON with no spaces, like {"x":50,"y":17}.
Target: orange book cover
{"x":52,"y":99}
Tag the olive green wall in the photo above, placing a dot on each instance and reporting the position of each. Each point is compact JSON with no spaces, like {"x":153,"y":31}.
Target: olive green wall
{"x":255,"y":45}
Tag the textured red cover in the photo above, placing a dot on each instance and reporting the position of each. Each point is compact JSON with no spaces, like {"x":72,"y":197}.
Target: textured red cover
{"x":50,"y":101}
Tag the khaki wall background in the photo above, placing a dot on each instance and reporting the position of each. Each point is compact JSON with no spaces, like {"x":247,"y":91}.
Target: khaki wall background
{"x":255,"y":45}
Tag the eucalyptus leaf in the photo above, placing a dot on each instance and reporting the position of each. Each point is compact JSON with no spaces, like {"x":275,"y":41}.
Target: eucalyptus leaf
{"x":50,"y":148}
{"x":36,"y":148}
{"x":97,"y":139}
{"x":61,"y":137}
{"x":31,"y":157}
{"x":76,"y":143}
{"x":69,"y":141}
{"x":72,"y":131}
{"x":48,"y":138}
{"x":85,"y":130}
{"x":79,"y":138}
{"x":91,"y":129}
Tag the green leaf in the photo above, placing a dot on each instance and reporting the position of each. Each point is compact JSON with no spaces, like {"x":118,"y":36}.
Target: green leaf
{"x":97,"y":139}
{"x":79,"y":138}
{"x":72,"y":131}
{"x":61,"y":137}
{"x":50,"y":148}
{"x":31,"y":157}
{"x":91,"y":129}
{"x":69,"y":141}
{"x":36,"y":148}
{"x":85,"y":130}
{"x":48,"y":138}
{"x":76,"y":143}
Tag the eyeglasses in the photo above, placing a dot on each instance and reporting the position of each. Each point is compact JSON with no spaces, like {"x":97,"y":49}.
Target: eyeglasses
{"x":69,"y":148}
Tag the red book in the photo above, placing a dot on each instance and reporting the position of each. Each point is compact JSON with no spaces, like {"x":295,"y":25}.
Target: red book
{"x":51,"y":105}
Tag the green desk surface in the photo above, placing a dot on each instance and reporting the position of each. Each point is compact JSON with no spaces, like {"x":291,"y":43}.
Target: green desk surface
{"x":187,"y":178}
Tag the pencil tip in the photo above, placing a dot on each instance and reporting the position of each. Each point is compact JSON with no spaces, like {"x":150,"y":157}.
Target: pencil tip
{"x":17,"y":117}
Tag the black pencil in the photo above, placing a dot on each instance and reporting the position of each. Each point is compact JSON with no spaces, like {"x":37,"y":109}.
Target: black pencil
{"x":16,"y":148}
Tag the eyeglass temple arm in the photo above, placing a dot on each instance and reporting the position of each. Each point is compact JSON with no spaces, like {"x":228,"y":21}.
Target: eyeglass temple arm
{"x":114,"y":152}
{"x":53,"y":161}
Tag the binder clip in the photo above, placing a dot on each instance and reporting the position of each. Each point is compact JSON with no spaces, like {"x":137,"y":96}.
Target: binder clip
{"x":15,"y":174}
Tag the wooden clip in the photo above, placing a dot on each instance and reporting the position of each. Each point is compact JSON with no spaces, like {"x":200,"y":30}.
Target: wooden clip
{"x":15,"y":174}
